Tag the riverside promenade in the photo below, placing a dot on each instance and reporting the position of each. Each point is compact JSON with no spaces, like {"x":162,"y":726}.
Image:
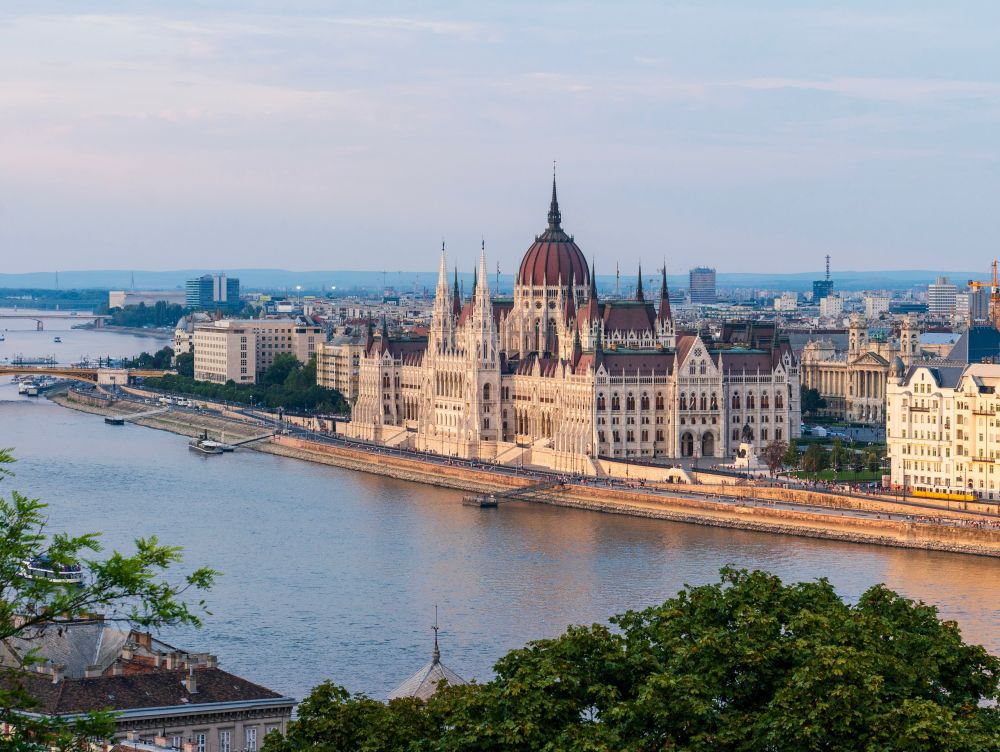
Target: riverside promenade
{"x":860,"y":519}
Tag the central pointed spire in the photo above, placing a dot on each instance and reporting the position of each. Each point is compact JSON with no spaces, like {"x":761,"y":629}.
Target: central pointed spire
{"x":638,"y":286}
{"x":554,"y":216}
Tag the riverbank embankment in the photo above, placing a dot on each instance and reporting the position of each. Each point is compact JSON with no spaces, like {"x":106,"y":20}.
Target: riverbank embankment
{"x":822,"y":516}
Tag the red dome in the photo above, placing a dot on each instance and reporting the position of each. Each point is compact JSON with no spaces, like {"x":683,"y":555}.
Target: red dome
{"x":554,"y":256}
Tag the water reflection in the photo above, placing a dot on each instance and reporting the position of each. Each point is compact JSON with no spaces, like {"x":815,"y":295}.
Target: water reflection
{"x":330,"y":573}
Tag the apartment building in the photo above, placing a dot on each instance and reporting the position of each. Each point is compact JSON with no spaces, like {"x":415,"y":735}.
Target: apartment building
{"x":242,"y":349}
{"x":337,"y":364}
{"x":942,"y":428}
{"x":159,"y":693}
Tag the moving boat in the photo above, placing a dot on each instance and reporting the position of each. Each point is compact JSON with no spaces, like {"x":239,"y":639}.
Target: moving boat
{"x":43,"y":569}
{"x":57,"y":339}
{"x":111,"y":420}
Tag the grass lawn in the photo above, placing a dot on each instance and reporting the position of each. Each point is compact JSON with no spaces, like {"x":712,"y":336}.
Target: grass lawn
{"x":844,"y":475}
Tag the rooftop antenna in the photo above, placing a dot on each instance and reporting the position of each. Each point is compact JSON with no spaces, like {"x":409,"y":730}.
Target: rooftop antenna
{"x":57,"y":280}
{"x":498,"y":277}
{"x":828,"y":267}
{"x":617,"y":275}
{"x":437,"y":650}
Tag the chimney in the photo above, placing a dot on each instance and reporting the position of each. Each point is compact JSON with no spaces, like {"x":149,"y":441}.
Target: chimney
{"x":171,"y":661}
{"x":92,"y":671}
{"x":128,"y":650}
{"x":190,"y":684}
{"x":117,"y":669}
{"x":58,"y":672}
{"x":158,"y":659}
{"x":144,"y":640}
{"x":211,"y":661}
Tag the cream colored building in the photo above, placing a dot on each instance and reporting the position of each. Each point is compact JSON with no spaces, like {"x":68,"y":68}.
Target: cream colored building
{"x":243,"y":349}
{"x":557,"y":378}
{"x":225,"y":350}
{"x":942,"y":427}
{"x":853,"y":382}
{"x":338,"y":363}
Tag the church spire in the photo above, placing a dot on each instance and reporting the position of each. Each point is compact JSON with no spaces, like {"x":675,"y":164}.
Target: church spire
{"x":593,"y":279}
{"x":570,"y":312}
{"x":555,"y":218}
{"x":436,"y":655}
{"x":664,"y":313}
{"x":456,"y":297}
{"x":638,"y":285}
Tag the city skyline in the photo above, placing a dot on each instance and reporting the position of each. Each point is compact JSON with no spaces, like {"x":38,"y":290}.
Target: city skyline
{"x":722,"y":136}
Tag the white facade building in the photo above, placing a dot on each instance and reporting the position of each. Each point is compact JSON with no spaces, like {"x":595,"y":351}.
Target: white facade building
{"x":558,"y":378}
{"x":242,"y":349}
{"x":942,"y":428}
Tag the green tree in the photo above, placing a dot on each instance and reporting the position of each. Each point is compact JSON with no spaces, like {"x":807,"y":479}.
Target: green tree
{"x":857,"y":462}
{"x":838,"y":455}
{"x":124,"y":587}
{"x":873,"y":461}
{"x":774,"y":455}
{"x":792,"y":455}
{"x":812,"y":401}
{"x":815,"y":459}
{"x":748,"y":663}
{"x":283,"y":366}
{"x":185,"y":364}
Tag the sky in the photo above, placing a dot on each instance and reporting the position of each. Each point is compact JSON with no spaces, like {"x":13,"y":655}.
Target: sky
{"x":747,"y":135}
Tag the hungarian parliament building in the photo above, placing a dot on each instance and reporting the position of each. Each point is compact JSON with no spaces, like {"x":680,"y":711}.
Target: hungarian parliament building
{"x":557,"y":377}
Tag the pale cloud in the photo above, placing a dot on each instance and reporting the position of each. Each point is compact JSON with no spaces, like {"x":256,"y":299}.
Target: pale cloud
{"x":729,"y":122}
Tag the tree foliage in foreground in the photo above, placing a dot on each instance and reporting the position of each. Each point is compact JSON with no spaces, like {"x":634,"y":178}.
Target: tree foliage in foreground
{"x":746,"y":664}
{"x":127,"y":588}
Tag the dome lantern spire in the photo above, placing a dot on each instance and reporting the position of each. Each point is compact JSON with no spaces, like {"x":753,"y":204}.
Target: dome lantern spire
{"x":555,"y":218}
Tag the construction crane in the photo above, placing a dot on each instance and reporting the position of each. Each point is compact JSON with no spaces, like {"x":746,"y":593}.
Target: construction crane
{"x":994,"y":286}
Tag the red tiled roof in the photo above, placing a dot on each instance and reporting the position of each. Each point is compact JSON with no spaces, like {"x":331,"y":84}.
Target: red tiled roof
{"x":162,"y":688}
{"x":629,"y":316}
{"x":550,"y":259}
{"x":633,"y":362}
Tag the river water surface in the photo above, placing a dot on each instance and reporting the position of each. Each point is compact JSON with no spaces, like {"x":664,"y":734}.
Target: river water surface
{"x":334,"y":574}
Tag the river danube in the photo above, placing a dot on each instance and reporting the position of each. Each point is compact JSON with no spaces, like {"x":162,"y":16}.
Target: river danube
{"x":334,"y":574}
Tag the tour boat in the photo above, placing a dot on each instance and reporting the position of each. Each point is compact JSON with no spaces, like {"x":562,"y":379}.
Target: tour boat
{"x":43,"y":569}
{"x":112,"y":420}
{"x":57,"y":339}
{"x":204,"y":445}
{"x":24,"y":385}
{"x":485,"y":501}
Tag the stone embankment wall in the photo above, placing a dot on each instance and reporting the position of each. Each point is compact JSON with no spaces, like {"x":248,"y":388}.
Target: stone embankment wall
{"x":94,"y":399}
{"x":747,"y":516}
{"x":741,"y":512}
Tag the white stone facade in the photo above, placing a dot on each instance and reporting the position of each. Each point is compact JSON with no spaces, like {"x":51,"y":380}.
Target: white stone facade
{"x":942,"y":429}
{"x":558,"y":378}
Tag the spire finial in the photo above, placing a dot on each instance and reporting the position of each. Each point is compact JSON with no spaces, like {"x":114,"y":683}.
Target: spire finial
{"x":436,"y":656}
{"x":638,"y":285}
{"x":554,"y":216}
{"x":593,"y":278}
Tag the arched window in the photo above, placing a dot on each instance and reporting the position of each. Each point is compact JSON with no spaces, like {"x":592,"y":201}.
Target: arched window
{"x":486,"y":423}
{"x":715,"y":402}
{"x":659,"y":400}
{"x":615,"y":402}
{"x":704,"y":402}
{"x":486,"y":393}
{"x":645,"y":401}
{"x":600,"y":401}
{"x":701,"y":368}
{"x":764,"y":401}
{"x":749,"y":401}
{"x":779,"y":401}
{"x":736,"y":402}
{"x":684,"y":403}
{"x":630,"y":402}
{"x":693,"y":401}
